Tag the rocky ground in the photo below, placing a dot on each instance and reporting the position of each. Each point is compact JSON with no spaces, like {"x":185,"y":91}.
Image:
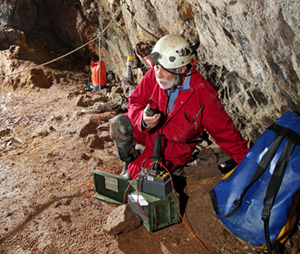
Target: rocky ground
{"x":48,"y":149}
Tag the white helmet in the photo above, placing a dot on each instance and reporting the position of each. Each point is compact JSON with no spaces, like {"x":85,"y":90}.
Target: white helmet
{"x":171,"y":52}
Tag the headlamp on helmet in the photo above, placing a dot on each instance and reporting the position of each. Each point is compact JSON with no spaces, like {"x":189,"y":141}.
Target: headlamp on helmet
{"x":152,"y":59}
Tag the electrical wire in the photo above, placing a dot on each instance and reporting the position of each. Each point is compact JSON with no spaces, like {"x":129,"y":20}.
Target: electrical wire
{"x":87,"y":186}
{"x":178,"y":209}
{"x":177,"y":202}
{"x":124,"y":196}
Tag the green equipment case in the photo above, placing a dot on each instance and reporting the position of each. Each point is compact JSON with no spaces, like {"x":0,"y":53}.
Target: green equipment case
{"x":110,"y":187}
{"x":155,"y":212}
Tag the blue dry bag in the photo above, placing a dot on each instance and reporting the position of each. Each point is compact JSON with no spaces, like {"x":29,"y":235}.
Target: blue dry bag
{"x":258,"y":200}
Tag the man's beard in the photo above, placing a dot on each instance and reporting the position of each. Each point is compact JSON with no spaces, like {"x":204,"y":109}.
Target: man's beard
{"x":169,"y":84}
{"x":165,"y":84}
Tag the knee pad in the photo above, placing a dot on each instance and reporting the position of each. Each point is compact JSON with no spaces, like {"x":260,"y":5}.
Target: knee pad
{"x":120,"y":128}
{"x":121,"y":132}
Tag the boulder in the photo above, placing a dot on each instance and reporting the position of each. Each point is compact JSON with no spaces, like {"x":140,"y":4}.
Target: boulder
{"x":121,"y":220}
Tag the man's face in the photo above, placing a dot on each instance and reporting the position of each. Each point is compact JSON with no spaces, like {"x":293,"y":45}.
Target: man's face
{"x":164,"y":79}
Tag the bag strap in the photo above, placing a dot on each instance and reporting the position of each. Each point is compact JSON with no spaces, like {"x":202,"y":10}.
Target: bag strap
{"x":289,"y":133}
{"x":273,"y":187}
{"x":262,"y":166}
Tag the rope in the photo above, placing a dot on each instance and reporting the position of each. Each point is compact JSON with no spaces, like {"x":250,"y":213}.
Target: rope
{"x":71,"y":52}
{"x":99,"y":41}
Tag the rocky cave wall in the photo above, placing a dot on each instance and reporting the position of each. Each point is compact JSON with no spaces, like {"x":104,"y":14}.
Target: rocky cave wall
{"x":250,"y":50}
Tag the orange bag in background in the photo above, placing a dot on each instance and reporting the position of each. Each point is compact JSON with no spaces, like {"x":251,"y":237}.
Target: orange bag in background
{"x":95,"y":75}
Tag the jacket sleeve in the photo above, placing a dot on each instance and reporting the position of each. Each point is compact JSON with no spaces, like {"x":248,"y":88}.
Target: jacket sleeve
{"x":220,"y":126}
{"x":138,"y":100}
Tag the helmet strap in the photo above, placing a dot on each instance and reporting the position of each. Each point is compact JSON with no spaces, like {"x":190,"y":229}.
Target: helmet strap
{"x":184,"y":74}
{"x":179,"y":79}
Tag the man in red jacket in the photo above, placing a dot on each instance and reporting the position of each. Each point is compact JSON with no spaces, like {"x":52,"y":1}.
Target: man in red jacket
{"x":184,"y":104}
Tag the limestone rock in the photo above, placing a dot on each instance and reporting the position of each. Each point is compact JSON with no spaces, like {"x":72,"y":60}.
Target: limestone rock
{"x":88,"y":128}
{"x":5,"y":132}
{"x":87,"y":100}
{"x":38,"y":78}
{"x":95,"y":142}
{"x":85,"y":156}
{"x":121,"y":220}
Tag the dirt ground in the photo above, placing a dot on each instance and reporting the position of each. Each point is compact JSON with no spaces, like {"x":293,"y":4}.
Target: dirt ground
{"x":48,"y":149}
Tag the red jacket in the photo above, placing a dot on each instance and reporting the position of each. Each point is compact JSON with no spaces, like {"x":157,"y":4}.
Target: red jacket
{"x":184,"y":124}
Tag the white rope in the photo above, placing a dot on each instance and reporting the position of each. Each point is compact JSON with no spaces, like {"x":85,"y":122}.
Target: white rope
{"x":71,"y":52}
{"x":99,"y":62}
